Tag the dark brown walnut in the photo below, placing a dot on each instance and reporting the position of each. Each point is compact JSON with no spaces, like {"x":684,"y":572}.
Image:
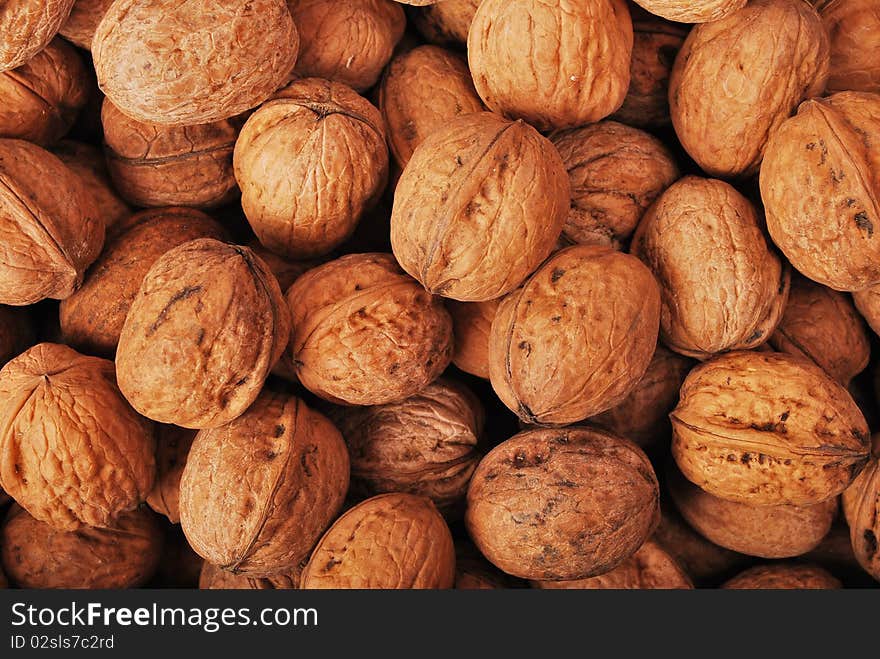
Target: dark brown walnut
{"x":737,"y":79}
{"x":27,"y":27}
{"x":553,"y":64}
{"x":480,"y":204}
{"x":193,"y":63}
{"x":692,"y":11}
{"x":392,"y":541}
{"x":471,"y":326}
{"x":92,"y":318}
{"x":721,"y":285}
{"x":87,"y":161}
{"x":562,"y":504}
{"x":205,"y":328}
{"x":51,"y":232}
{"x":784,"y":576}
{"x":616,"y":172}
{"x":36,"y":555}
{"x":215,"y":578}
{"x":768,"y":429}
{"x":348,"y":42}
{"x":861,"y":504}
{"x":16,"y":333}
{"x":820,"y":183}
{"x":854,"y":29}
{"x":446,"y":22}
{"x":172,"y":449}
{"x":576,"y":338}
{"x":310,"y":162}
{"x":364,"y":333}
{"x":81,"y":25}
{"x":158,"y":165}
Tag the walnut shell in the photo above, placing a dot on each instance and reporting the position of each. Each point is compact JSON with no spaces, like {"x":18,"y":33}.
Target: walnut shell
{"x":446,"y":22}
{"x":553,"y":64}
{"x":820,"y":183}
{"x":471,"y":326}
{"x":392,"y":541}
{"x":737,"y":79}
{"x":215,"y":578}
{"x":854,"y":29}
{"x":767,"y":429}
{"x":562,"y":504}
{"x":16,"y":334}
{"x":366,"y":334}
{"x":193,"y":63}
{"x":784,"y":576}
{"x":479,"y":206}
{"x":309,"y":163}
{"x":576,"y":338}
{"x":349,"y":42}
{"x":203,"y":332}
{"x":721,"y":286}
{"x":692,"y":11}
{"x":616,"y":172}
{"x":172,"y":449}
{"x":51,"y":233}
{"x":862,"y":508}
{"x":92,"y":318}
{"x":81,"y":25}
{"x":87,"y":161}
{"x":27,"y":27}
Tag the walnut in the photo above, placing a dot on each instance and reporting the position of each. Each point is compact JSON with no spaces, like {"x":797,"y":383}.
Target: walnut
{"x":446,"y":22}
{"x":81,"y":25}
{"x":87,"y":162}
{"x":215,"y":578}
{"x":309,"y":163}
{"x":285,"y":270}
{"x":27,"y":27}
{"x":737,"y":79}
{"x":172,"y":448}
{"x":562,"y":504}
{"x":692,"y":11}
{"x":472,"y":323}
{"x":785,"y":576}
{"x":392,"y":541}
{"x":868,"y":304}
{"x":854,"y":29}
{"x":555,"y":65}
{"x":203,"y":331}
{"x":861,"y":505}
{"x":236,"y":53}
{"x":576,"y":338}
{"x":16,"y":333}
{"x":767,"y":429}
{"x":479,"y":206}
{"x":364,"y":333}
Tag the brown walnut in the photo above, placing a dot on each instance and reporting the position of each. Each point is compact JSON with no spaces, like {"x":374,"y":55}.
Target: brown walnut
{"x":87,"y":161}
{"x":446,"y":22}
{"x":471,"y":326}
{"x":854,"y":29}
{"x":172,"y":449}
{"x":81,"y":25}
{"x":692,"y":11}
{"x":867,"y":302}
{"x":861,"y":505}
{"x":215,"y":578}
{"x":27,"y":27}
{"x":784,"y":576}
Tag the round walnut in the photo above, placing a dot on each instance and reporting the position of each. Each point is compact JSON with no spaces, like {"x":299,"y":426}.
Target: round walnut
{"x":737,"y":79}
{"x":616,"y":172}
{"x":704,"y":561}
{"x":73,"y":451}
{"x":820,"y":184}
{"x":471,"y":325}
{"x":767,"y":429}
{"x":257,"y":493}
{"x":446,"y":22}
{"x":88,"y":162}
{"x":36,"y":555}
{"x":81,"y":25}
{"x":479,"y":206}
{"x":692,"y":11}
{"x":392,"y":541}
{"x":51,"y":232}
{"x":364,"y":333}
{"x":172,"y":449}
{"x":215,"y":578}
{"x":193,"y":63}
{"x":784,"y":576}
{"x":309,"y":163}
{"x":16,"y":334}
{"x":27,"y":27}
{"x":861,"y":505}
{"x":348,"y":42}
{"x":92,"y":318}
{"x":562,"y":504}
{"x":203,"y":332}
{"x":576,"y":338}
{"x":854,"y":29}
{"x":721,"y":286}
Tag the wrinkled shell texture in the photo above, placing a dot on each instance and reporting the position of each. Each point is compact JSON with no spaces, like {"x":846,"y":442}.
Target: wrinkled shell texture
{"x":446,"y":22}
{"x":172,"y":448}
{"x":51,"y":233}
{"x":768,"y":429}
{"x":479,"y":206}
{"x":366,"y":334}
{"x":862,"y":507}
{"x":80,"y":26}
{"x":692,"y":11}
{"x":87,"y":162}
{"x":854,"y":29}
{"x":555,"y":64}
{"x":174,"y":63}
{"x":616,"y":172}
{"x":472,"y":324}
{"x":737,"y":79}
{"x":722,"y":288}
{"x":703,"y":561}
{"x":203,"y":331}
{"x":784,"y":577}
{"x":215,"y":578}
{"x":27,"y":27}
{"x":576,"y":338}
{"x":309,"y":163}
{"x":35,"y":555}
{"x":820,"y":184}
{"x":562,"y":504}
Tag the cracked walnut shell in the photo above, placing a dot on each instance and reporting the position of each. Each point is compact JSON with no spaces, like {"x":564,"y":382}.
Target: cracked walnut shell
{"x":692,"y":11}
{"x":27,"y":27}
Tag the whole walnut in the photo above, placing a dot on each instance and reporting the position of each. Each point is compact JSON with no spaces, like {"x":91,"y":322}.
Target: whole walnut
{"x":16,"y":333}
{"x":193,"y":63}
{"x":348,"y":42}
{"x":87,"y":161}
{"x":820,"y":183}
{"x":446,"y":22}
{"x":257,"y":493}
{"x":27,"y":27}
{"x":392,"y":541}
{"x":861,"y":505}
{"x":81,"y":25}
{"x":784,"y":576}
{"x":721,"y":286}
{"x":172,"y":449}
{"x":767,"y":429}
{"x":479,"y":206}
{"x":562,"y":504}
{"x":616,"y":172}
{"x":576,"y":338}
{"x":215,"y":578}
{"x":203,"y":332}
{"x":36,"y":555}
{"x":854,"y":29}
{"x":51,"y":232}
{"x":471,"y":326}
{"x":737,"y":79}
{"x":692,"y":11}
{"x":309,"y":163}
{"x":74,"y":452}
{"x":364,"y":333}
{"x":92,"y":318}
